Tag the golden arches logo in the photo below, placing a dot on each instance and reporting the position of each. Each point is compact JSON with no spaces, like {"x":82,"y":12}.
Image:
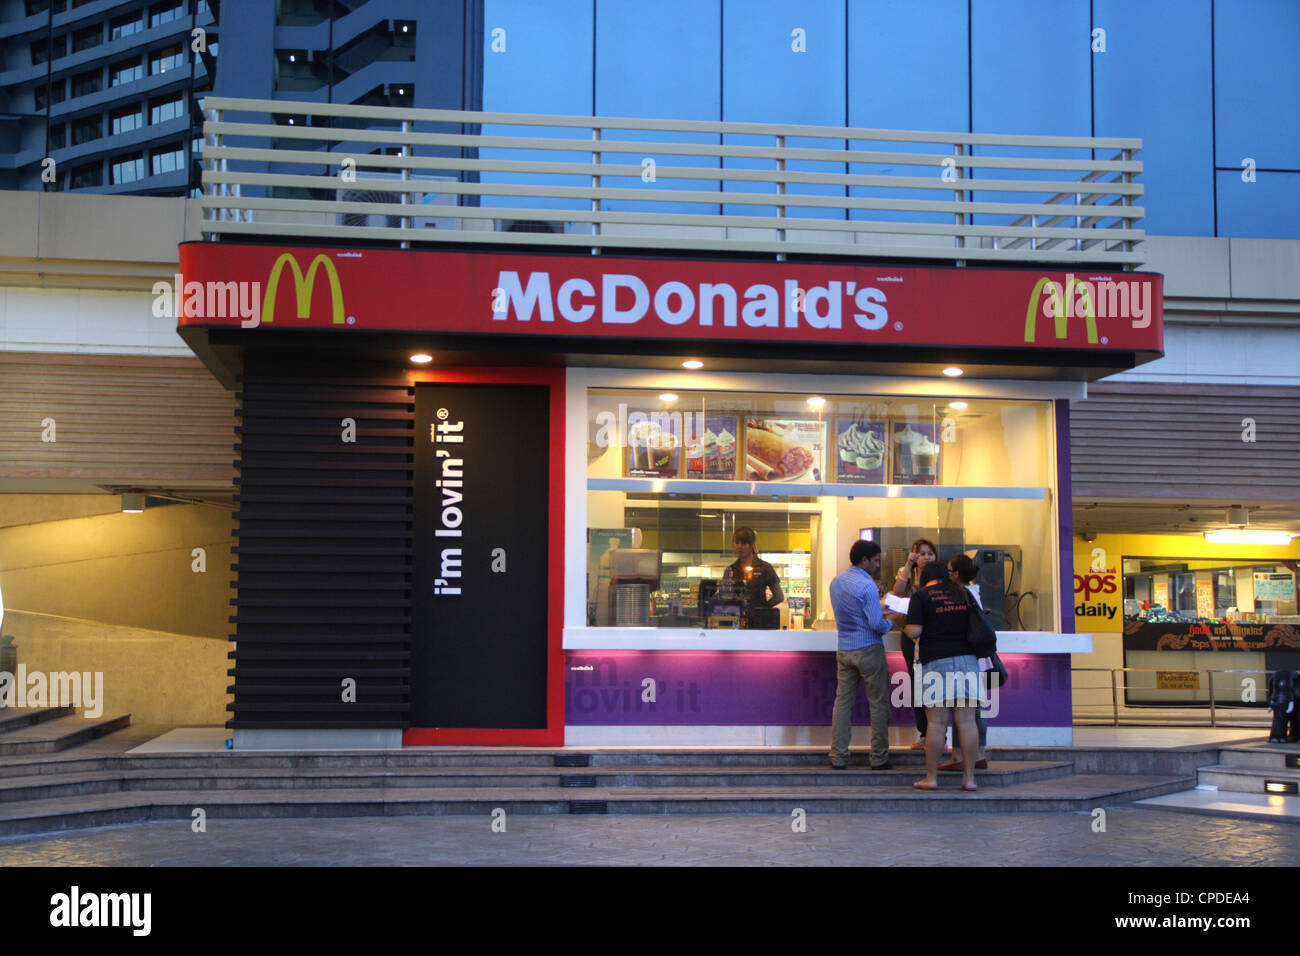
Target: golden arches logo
{"x":1062,"y":307}
{"x":303,"y":286}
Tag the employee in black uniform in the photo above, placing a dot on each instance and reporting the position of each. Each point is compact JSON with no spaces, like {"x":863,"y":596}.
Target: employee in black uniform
{"x":754,"y":578}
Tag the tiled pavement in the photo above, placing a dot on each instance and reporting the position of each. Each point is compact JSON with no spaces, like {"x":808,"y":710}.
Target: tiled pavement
{"x":1133,"y":837}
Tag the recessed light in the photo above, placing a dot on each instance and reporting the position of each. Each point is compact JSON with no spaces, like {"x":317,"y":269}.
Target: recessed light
{"x":421,"y":358}
{"x":957,"y":405}
{"x":816,"y":401}
{"x":667,"y":397}
{"x":291,"y":60}
{"x":692,"y":363}
{"x":952,"y":371}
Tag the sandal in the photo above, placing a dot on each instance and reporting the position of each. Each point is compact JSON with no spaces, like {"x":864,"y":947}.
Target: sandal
{"x":969,"y":788}
{"x":953,"y":765}
{"x":919,"y":745}
{"x":921,"y":785}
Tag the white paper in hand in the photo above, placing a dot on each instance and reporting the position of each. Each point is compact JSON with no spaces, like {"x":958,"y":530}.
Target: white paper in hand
{"x":896,"y":604}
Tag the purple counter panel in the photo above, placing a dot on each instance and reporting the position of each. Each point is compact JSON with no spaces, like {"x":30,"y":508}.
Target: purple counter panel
{"x":773,"y":689}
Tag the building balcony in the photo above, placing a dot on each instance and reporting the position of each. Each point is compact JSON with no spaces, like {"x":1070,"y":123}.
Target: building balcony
{"x":363,"y":174}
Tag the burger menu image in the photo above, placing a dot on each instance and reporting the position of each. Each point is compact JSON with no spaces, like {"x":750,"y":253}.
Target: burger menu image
{"x":785,"y":450}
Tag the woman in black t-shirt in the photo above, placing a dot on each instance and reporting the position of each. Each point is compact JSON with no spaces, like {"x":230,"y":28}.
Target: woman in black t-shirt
{"x":938,"y":616}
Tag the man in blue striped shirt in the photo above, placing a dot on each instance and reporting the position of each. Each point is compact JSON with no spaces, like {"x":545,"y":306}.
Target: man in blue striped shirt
{"x":862,"y":627}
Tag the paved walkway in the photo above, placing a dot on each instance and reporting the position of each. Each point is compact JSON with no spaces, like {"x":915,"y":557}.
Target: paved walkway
{"x":1133,"y":837}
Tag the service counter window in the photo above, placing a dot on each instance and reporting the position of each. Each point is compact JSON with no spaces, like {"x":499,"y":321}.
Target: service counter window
{"x":673,"y":477}
{"x":1208,"y":591}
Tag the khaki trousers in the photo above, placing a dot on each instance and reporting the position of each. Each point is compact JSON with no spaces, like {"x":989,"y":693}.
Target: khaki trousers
{"x":865,"y":664}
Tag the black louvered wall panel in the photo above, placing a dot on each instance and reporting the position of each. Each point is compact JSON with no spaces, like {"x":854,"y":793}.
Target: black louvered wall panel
{"x":323,"y":561}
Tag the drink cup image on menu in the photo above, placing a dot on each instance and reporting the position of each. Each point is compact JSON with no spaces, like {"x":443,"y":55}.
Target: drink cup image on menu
{"x":860,"y":452}
{"x":653,"y":451}
{"x":916,"y":454}
{"x":711,"y":453}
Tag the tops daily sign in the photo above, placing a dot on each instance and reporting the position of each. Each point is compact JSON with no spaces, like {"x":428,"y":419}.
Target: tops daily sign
{"x":1097,"y":593}
{"x":451,"y":518}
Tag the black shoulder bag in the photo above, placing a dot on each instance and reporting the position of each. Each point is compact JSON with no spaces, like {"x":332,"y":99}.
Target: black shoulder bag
{"x":983,"y":641}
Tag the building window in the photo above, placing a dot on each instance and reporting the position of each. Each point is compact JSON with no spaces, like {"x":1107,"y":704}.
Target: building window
{"x":85,"y":130}
{"x":125,"y":120}
{"x":127,"y":169}
{"x":164,"y":109}
{"x":83,"y":84}
{"x":166,"y":159}
{"x":40,"y":98}
{"x":41,"y":47}
{"x":124,"y":26}
{"x":168,"y":58}
{"x":87,"y":38}
{"x":58,"y":136}
{"x":128,"y":71}
{"x":161,"y":13}
{"x":92,"y":174}
{"x":58,"y":91}
{"x":196,"y":148}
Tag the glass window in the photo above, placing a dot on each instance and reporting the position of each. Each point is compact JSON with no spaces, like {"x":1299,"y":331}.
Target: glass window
{"x":127,"y":169}
{"x":40,"y":49}
{"x":1200,"y":590}
{"x":87,"y":38}
{"x":91,"y":174}
{"x":164,"y":108}
{"x":125,"y":26}
{"x":58,"y":91}
{"x":168,"y":58}
{"x":166,"y":159}
{"x":127,"y":71}
{"x":671,"y":478}
{"x":40,"y":98}
{"x":161,"y":13}
{"x":83,"y":84}
{"x":58,"y":136}
{"x":85,"y":130}
{"x":125,"y":120}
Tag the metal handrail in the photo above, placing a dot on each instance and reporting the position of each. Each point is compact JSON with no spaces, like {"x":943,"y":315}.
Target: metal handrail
{"x":1116,"y":685}
{"x":270,"y":167}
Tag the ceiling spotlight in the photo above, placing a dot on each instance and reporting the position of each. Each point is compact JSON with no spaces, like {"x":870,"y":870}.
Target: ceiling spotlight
{"x":667,"y":397}
{"x":816,"y":401}
{"x":692,"y":363}
{"x":952,"y":371}
{"x":957,"y":405}
{"x":291,"y":59}
{"x":421,"y":358}
{"x":401,"y":91}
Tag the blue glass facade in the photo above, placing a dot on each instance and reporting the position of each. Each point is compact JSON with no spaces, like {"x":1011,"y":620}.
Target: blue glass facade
{"x":1204,"y":83}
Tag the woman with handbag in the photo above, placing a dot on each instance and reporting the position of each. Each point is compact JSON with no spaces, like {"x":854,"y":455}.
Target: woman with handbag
{"x":938,"y":619}
{"x":962,"y":570}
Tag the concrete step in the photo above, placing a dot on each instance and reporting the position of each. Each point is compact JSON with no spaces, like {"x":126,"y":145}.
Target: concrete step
{"x":1244,"y":779}
{"x":50,"y":785}
{"x":1264,"y":808}
{"x":1075,"y":793}
{"x":15,"y":718}
{"x":60,"y":733}
{"x":1261,"y":757}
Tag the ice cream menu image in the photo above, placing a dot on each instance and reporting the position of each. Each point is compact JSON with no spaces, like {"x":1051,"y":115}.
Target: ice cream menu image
{"x":916,"y":454}
{"x":784,"y":450}
{"x":860,"y":452}
{"x":653,"y":445}
{"x":711,"y":453}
